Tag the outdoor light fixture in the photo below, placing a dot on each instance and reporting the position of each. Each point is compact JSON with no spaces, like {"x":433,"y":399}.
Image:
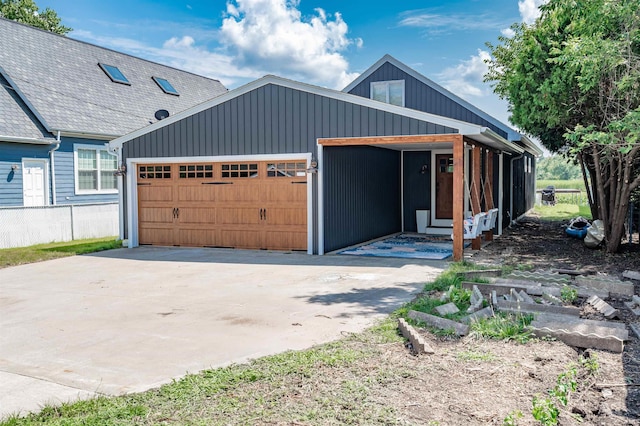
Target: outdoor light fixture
{"x":313,"y":167}
{"x":15,"y":167}
{"x":424,"y":169}
{"x":121,"y":171}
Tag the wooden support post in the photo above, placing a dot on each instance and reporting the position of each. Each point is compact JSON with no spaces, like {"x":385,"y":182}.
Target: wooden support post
{"x":458,"y":198}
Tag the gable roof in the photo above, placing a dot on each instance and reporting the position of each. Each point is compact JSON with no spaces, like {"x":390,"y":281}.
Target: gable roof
{"x":59,"y":80}
{"x":476,"y":132}
{"x":17,"y":122}
{"x":513,"y":135}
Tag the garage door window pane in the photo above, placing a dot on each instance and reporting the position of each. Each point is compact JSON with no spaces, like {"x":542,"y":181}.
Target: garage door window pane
{"x":286,"y":169}
{"x":154,"y":172}
{"x":249,"y":170}
{"x":196,"y":171}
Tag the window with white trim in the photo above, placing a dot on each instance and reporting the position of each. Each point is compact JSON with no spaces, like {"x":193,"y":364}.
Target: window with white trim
{"x":391,"y":92}
{"x":94,"y":170}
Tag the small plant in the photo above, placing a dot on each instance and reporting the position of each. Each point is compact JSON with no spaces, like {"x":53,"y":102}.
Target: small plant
{"x":590,"y":363}
{"x":568,"y":294}
{"x":565,"y":384}
{"x":545,"y":411}
{"x":512,"y":418}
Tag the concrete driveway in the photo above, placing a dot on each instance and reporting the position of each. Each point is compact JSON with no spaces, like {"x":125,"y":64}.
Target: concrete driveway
{"x":132,"y":319}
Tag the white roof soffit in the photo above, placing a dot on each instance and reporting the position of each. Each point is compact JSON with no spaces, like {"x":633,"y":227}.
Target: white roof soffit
{"x":17,"y":139}
{"x":493,"y":140}
{"x":531,"y":146}
{"x":512,"y":134}
{"x":462,"y":127}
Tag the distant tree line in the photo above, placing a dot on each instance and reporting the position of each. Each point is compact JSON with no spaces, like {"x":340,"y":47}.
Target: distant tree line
{"x":557,"y":167}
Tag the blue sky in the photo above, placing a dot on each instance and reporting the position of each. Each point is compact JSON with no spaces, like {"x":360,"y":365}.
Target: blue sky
{"x":322,"y":42}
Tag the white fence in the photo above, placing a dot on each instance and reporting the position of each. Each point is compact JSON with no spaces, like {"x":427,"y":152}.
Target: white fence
{"x":25,"y":226}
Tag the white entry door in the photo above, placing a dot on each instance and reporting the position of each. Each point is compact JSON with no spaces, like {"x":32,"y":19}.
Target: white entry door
{"x":34,"y":182}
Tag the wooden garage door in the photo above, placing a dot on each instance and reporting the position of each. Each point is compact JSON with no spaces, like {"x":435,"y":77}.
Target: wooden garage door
{"x":253,"y":205}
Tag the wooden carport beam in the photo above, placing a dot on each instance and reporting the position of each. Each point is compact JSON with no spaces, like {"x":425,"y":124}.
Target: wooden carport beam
{"x":390,"y":140}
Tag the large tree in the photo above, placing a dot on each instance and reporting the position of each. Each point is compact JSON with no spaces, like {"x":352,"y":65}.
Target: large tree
{"x":27,"y":12}
{"x":572,"y":79}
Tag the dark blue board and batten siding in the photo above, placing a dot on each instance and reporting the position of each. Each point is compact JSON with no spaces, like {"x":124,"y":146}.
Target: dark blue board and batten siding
{"x":275,"y":119}
{"x":422,"y":97}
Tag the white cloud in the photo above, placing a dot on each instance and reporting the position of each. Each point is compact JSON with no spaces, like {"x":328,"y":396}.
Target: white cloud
{"x":466,"y":78}
{"x":530,"y":10}
{"x":179,"y":52}
{"x":272,"y":36}
{"x":508,"y":32}
{"x":436,"y":23}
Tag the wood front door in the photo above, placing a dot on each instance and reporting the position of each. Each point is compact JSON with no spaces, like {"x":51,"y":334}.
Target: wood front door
{"x":444,"y":186}
{"x":251,"y":205}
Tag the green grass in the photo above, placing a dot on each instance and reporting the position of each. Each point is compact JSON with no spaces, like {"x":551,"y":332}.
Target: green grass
{"x":562,"y":184}
{"x":503,"y":327}
{"x":295,"y":387}
{"x":41,"y":252}
{"x":562,"y":211}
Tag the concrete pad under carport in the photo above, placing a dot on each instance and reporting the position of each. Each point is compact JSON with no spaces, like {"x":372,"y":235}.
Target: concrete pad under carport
{"x":128,"y":320}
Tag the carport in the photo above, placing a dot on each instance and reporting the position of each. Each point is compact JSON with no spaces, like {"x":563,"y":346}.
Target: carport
{"x":463,"y":147}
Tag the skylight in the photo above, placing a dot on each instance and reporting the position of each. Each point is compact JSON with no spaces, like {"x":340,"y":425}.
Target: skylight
{"x":114,"y":74}
{"x":166,"y":86}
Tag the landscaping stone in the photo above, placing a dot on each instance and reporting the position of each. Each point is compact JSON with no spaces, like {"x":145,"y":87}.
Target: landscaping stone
{"x":574,"y":272}
{"x":515,"y":296}
{"x":632,"y":275}
{"x":545,"y":276}
{"x":494,"y":298}
{"x":603,"y":307}
{"x":449,"y":308}
{"x":476,"y":300}
{"x":525,"y":297}
{"x":441,"y":323}
{"x":485,"y":273}
{"x":502,"y":288}
{"x":634,"y":305}
{"x":610,"y":285}
{"x":447,"y":294}
{"x":636,"y":329}
{"x":581,"y":333}
{"x":535,"y":308}
{"x":418,"y":343}
{"x":481,"y":314}
{"x":552,"y":299}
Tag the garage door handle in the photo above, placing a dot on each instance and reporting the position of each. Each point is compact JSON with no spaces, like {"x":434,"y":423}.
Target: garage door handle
{"x":174,"y":212}
{"x":260,"y":214}
{"x":299,"y":183}
{"x":177,"y":213}
{"x":265,"y":214}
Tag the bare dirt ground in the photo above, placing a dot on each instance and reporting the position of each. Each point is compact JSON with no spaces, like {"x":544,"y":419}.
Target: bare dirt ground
{"x":471,"y":381}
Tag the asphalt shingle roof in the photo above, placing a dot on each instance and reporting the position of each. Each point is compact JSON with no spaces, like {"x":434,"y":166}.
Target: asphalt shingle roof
{"x":16,"y":119}
{"x":61,"y":78}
